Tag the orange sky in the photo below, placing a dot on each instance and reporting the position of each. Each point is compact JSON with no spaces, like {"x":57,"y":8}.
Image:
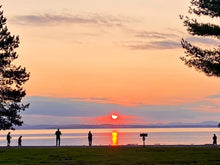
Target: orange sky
{"x":127,"y":52}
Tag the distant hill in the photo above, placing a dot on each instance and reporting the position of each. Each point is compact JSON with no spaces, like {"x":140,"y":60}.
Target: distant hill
{"x":158,"y":125}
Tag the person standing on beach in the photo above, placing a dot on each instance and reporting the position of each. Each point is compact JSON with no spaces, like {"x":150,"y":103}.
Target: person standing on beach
{"x":90,"y":138}
{"x":8,"y":139}
{"x":19,"y":141}
{"x":58,"y":133}
{"x":214,"y":139}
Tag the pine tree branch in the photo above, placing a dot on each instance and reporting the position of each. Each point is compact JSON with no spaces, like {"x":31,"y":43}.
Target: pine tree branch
{"x":205,"y":7}
{"x":203,"y":60}
{"x":201,"y":29}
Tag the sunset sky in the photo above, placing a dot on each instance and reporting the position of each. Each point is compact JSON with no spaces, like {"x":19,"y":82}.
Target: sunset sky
{"x":89,"y":59}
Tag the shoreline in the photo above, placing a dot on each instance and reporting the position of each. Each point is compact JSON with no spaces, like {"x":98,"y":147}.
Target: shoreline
{"x":118,"y":146}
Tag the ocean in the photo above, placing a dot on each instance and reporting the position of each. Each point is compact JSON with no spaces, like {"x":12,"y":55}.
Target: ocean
{"x":113,"y":137}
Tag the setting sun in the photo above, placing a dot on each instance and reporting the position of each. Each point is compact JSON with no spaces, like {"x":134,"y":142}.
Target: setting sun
{"x":114,"y":116}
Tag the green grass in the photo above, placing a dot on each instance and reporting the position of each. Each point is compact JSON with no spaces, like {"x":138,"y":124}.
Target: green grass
{"x":110,"y":155}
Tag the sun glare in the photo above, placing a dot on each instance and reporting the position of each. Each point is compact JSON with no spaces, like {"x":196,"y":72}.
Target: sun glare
{"x":114,"y":116}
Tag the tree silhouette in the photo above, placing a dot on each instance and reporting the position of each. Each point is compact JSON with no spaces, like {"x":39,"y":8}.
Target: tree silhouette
{"x":204,"y":60}
{"x":12,"y":78}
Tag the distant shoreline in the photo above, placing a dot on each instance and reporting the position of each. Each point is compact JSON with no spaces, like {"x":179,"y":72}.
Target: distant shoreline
{"x":111,"y":126}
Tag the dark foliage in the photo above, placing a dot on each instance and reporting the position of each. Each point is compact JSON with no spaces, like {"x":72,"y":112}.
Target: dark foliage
{"x":207,"y":61}
{"x":205,"y":7}
{"x":11,"y":79}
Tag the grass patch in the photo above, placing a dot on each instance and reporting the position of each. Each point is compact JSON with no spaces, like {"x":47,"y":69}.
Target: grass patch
{"x":110,"y":155}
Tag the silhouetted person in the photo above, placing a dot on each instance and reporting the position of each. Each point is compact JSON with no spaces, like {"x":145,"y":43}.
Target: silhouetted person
{"x":58,"y":133}
{"x":8,"y":139}
{"x":90,"y":138}
{"x":19,"y":141}
{"x":214,"y":139}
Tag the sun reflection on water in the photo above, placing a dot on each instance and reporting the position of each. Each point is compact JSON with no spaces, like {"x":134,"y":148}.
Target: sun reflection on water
{"x":114,"y":138}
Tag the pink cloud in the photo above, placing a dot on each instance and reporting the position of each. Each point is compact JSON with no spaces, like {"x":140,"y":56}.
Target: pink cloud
{"x":209,"y":105}
{"x":122,"y":119}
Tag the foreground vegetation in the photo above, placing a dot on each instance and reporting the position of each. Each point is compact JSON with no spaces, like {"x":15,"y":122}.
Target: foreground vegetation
{"x":109,"y":155}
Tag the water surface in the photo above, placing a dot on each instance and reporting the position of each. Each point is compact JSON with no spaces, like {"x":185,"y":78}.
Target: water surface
{"x":121,"y":136}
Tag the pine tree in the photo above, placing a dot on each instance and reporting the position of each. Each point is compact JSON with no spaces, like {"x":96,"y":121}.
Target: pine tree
{"x":12,"y":78}
{"x":204,"y":60}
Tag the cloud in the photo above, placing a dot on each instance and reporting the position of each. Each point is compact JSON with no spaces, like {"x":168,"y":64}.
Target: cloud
{"x":54,"y":120}
{"x":203,"y":40}
{"x":51,"y":19}
{"x":107,"y":101}
{"x":122,"y":119}
{"x":207,"y":108}
{"x":166,"y":44}
{"x":152,"y":40}
{"x":210,"y":104}
{"x":92,"y":99}
{"x":214,"y":97}
{"x":46,"y":110}
{"x":155,"y":35}
{"x":64,"y":107}
{"x":169,"y":40}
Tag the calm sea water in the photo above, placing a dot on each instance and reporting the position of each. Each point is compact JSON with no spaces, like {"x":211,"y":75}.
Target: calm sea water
{"x":122,"y":136}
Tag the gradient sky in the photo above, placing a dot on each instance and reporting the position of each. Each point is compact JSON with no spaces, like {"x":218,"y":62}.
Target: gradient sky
{"x":89,"y":59}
